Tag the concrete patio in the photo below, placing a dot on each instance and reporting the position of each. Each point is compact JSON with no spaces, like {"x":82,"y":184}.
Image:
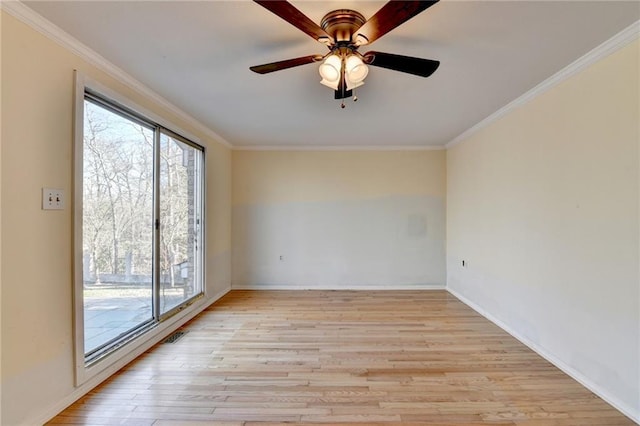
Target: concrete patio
{"x":111,"y":310}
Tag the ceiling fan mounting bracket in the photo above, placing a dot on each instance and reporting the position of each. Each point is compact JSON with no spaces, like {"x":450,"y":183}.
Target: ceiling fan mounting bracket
{"x":341,"y":24}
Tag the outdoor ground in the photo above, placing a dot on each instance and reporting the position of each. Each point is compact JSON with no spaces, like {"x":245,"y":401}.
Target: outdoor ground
{"x":110,"y":310}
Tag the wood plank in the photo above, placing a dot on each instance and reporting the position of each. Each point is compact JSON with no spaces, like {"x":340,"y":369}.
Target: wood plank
{"x":339,"y":357}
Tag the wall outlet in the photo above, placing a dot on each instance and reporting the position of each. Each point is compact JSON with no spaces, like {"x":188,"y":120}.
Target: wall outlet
{"x":52,"y":199}
{"x":281,"y":257}
{"x":464,"y":263}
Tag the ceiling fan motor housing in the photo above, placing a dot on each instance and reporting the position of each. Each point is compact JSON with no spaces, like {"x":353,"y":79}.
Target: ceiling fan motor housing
{"x":342,"y":24}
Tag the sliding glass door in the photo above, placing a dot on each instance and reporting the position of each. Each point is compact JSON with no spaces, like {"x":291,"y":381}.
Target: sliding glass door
{"x":141,"y":225}
{"x":180,"y":229}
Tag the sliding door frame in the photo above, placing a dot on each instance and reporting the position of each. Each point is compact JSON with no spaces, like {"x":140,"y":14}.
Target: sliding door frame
{"x":85,"y":371}
{"x":199,"y":203}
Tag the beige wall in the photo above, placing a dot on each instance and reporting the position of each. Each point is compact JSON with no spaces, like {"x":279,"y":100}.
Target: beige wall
{"x":37,"y":107}
{"x":263,"y":177}
{"x":339,"y":219}
{"x":543,"y":207}
{"x":0,"y":226}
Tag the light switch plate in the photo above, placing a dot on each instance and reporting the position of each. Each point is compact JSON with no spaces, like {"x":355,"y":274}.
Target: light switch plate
{"x":52,"y":199}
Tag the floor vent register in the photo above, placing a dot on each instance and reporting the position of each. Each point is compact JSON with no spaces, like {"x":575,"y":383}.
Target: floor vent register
{"x":175,"y":337}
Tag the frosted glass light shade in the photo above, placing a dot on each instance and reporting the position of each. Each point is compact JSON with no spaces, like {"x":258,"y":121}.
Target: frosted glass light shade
{"x":356,"y":70}
{"x":331,"y":84}
{"x":330,"y":69}
{"x":351,"y":85}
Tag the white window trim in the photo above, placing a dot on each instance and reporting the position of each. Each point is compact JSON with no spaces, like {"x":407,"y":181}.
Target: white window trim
{"x":119,"y":357}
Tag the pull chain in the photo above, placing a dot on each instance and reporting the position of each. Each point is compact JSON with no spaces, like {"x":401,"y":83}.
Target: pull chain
{"x":342,"y":105}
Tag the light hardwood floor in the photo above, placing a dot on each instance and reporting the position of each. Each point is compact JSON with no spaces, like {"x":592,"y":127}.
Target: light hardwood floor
{"x":333,"y":357}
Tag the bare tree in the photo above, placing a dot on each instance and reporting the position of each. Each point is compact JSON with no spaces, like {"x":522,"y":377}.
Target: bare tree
{"x":118,"y":191}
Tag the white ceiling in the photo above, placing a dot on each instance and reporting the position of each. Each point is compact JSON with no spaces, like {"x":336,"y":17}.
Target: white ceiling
{"x":197,"y":55}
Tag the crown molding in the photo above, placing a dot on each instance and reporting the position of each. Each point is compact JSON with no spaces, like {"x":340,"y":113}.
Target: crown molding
{"x":615,"y":43}
{"x":36,"y":21}
{"x":337,"y":148}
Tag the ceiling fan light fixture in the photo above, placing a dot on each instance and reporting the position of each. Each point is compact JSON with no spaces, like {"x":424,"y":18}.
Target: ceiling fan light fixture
{"x":356,"y":69}
{"x":330,"y":84}
{"x":331,"y":68}
{"x":351,"y":85}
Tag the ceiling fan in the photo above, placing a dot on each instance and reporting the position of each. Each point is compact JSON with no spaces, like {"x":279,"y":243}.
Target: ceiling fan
{"x":343,"y":31}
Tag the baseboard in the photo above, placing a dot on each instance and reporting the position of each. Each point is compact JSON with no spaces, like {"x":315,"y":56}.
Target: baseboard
{"x":544,"y":353}
{"x":79,"y":392}
{"x":341,"y":287}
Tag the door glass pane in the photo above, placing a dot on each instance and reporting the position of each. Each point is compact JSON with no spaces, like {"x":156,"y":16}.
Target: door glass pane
{"x":117,"y":229}
{"x":180,"y":222}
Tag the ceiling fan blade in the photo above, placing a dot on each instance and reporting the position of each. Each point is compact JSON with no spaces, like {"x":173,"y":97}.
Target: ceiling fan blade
{"x":289,"y":13}
{"x":283,"y":65}
{"x":389,"y":17}
{"x":408,"y":64}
